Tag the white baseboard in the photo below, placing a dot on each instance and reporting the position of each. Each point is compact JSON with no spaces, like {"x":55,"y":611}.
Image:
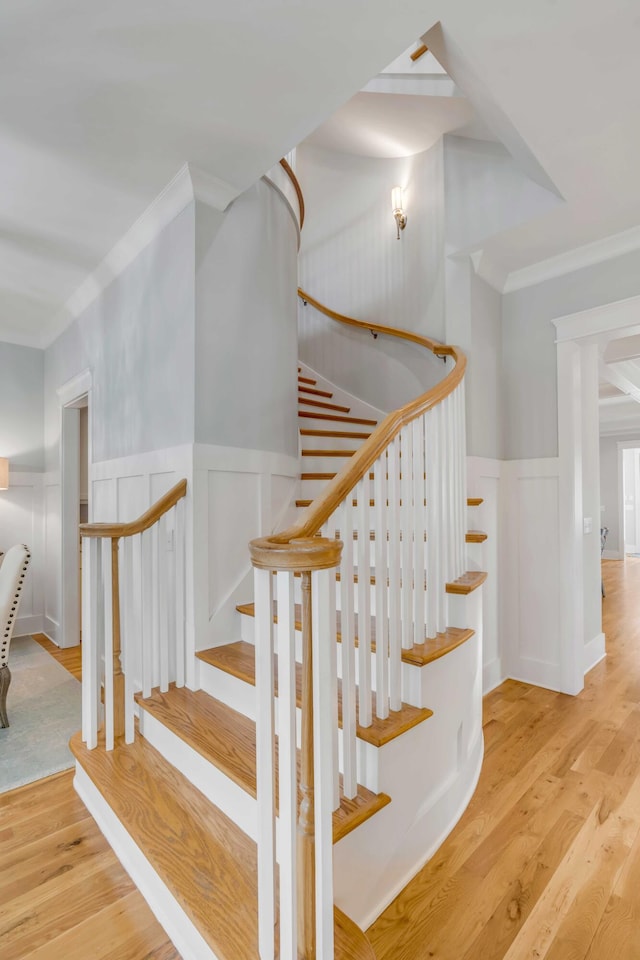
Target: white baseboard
{"x":612,"y":555}
{"x":594,"y":652}
{"x":25,"y":626}
{"x":51,"y":629}
{"x":168,"y":912}
{"x":538,"y":673}
{"x":492,"y":675}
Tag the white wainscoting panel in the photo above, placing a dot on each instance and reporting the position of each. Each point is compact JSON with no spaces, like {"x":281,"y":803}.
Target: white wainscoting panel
{"x":531,"y":580}
{"x":21,"y":521}
{"x":484,"y":479}
{"x":238,"y":495}
{"x":52,"y":555}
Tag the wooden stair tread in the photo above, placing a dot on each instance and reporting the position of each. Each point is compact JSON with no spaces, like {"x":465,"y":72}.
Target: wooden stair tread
{"x":227,"y":739}
{"x":324,"y":404}
{"x":475,"y":536}
{"x":304,"y":432}
{"x":464,"y":585}
{"x":474,"y":501}
{"x":315,"y":392}
{"x":306,"y":380}
{"x":206,"y":861}
{"x":309,"y":414}
{"x":432,"y":648}
{"x":327,"y":453}
{"x":467,"y":583}
{"x":238,"y":659}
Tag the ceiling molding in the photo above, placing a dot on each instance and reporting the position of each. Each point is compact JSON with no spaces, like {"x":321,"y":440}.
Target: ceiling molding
{"x":577,"y":259}
{"x":621,"y":315}
{"x":488,"y":270}
{"x":188,"y":184}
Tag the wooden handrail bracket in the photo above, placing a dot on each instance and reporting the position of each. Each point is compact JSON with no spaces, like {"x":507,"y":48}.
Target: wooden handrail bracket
{"x":146,"y":520}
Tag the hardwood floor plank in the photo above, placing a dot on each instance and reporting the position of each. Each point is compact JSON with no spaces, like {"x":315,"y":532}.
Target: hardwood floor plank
{"x":535,"y":872}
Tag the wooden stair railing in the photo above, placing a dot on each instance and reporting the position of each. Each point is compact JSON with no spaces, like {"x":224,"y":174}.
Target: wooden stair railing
{"x":416,"y":457}
{"x":126,"y":646}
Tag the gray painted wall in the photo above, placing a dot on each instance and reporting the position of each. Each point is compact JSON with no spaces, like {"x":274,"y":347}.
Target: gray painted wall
{"x":21,"y":407}
{"x":137,"y":339}
{"x":246,"y":336}
{"x":529,"y":352}
{"x":485,"y":409}
{"x":609,"y":493}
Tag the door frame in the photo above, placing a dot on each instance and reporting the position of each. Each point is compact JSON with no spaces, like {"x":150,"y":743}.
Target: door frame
{"x":73,"y":395}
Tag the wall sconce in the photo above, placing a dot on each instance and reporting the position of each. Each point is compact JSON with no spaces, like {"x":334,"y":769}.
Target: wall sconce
{"x":4,"y":473}
{"x":398,"y":213}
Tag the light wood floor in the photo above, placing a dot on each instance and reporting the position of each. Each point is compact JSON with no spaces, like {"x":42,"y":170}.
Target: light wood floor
{"x":545,"y":863}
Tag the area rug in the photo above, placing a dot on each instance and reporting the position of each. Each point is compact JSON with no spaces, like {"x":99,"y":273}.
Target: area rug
{"x":44,"y":708}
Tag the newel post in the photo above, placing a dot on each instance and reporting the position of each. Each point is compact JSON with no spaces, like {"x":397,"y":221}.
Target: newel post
{"x":303,"y":556}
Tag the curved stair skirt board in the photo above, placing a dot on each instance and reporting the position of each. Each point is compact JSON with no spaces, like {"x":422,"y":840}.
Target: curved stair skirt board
{"x":174,"y":921}
{"x":420,"y":841}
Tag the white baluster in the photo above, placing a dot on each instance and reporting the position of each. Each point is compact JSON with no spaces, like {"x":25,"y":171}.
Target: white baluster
{"x":105,"y":545}
{"x":128,"y":638}
{"x":463,"y":478}
{"x":406,"y":519}
{"x":364,"y":602}
{"x":395,"y":626}
{"x":381,"y":568}
{"x":418,"y":572}
{"x":147,"y":612}
{"x":91,"y":589}
{"x":324,"y":771}
{"x":432,"y":426}
{"x":179,"y":545}
{"x":288,"y":788}
{"x":441,"y":479}
{"x":347,"y":651}
{"x":265,"y":739}
{"x":162,"y":604}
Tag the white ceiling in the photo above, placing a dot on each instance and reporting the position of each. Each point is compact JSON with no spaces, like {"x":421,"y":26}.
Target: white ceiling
{"x":101,"y":104}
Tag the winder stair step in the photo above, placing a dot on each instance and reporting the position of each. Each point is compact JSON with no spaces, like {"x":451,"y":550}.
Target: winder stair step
{"x":238,"y":660}
{"x":420,"y":654}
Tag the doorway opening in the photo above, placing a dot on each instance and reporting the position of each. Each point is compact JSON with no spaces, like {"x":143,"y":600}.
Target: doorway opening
{"x":76,"y":509}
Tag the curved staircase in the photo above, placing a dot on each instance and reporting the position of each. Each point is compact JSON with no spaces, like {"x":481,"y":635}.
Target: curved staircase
{"x":335,"y":740}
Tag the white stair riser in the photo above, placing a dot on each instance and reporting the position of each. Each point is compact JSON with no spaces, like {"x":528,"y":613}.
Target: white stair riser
{"x":322,"y":464}
{"x":331,"y":443}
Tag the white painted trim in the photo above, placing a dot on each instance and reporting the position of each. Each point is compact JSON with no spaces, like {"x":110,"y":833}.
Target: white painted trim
{"x":612,"y":555}
{"x":188,"y":184}
{"x":236,"y":459}
{"x":184,"y":935}
{"x":75,"y":388}
{"x":492,"y":675}
{"x":25,"y":626}
{"x":586,"y":255}
{"x":51,"y":629}
{"x":619,"y":316}
{"x":594,"y":652}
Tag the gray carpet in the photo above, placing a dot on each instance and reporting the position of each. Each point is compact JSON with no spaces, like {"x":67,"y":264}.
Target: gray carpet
{"x":44,"y":705}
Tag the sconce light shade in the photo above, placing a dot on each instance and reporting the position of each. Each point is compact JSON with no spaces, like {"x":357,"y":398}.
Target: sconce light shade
{"x":398,"y":212}
{"x":4,"y":473}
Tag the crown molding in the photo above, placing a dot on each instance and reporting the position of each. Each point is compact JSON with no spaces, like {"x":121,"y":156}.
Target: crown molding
{"x":188,"y":184}
{"x":587,"y":255}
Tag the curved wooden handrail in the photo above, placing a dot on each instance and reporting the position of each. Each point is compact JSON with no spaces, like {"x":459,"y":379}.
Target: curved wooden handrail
{"x":296,"y":186}
{"x":420,"y":52}
{"x":358,"y":465}
{"x":146,"y":520}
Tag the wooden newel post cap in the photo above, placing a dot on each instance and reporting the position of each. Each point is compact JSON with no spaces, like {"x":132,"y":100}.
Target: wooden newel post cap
{"x":308,"y":553}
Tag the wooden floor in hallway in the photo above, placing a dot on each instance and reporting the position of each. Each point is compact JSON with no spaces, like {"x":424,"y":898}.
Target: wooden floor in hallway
{"x":545,"y":862}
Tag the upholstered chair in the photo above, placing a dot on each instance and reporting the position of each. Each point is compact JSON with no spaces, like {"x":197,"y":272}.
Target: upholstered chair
{"x":12,"y":574}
